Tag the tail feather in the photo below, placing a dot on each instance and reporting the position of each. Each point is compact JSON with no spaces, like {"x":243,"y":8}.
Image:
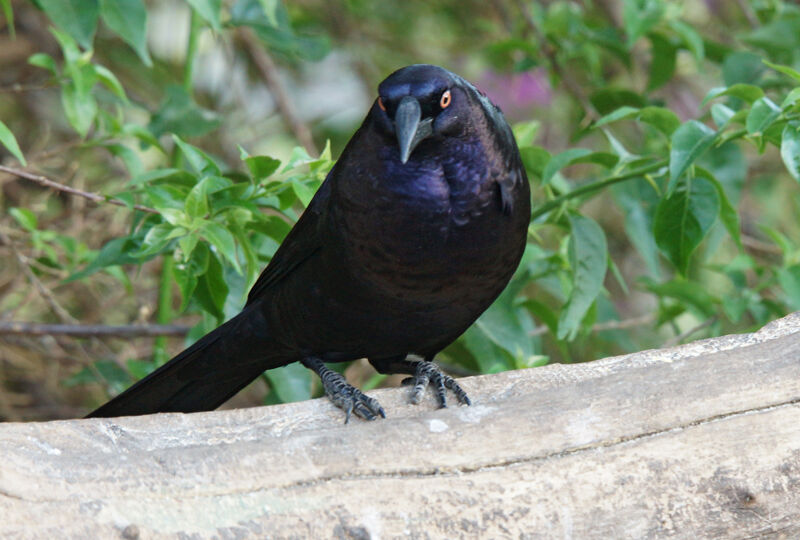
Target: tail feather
{"x":206,"y":374}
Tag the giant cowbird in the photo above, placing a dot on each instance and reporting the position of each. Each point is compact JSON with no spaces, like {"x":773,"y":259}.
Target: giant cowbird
{"x":415,"y":231}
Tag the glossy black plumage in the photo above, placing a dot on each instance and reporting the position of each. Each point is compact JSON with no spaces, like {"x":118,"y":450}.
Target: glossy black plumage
{"x":391,"y":258}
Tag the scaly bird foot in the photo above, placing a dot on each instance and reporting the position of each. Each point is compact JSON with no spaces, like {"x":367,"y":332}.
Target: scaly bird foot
{"x":343,"y":394}
{"x":425,"y":373}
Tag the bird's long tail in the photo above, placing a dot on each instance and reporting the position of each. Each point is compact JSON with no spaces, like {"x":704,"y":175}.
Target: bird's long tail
{"x":206,"y":374}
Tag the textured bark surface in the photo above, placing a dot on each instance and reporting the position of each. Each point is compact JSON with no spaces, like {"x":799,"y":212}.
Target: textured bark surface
{"x":701,"y":440}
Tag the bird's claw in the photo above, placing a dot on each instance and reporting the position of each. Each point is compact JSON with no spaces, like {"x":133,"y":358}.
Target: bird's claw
{"x":343,"y":394}
{"x":429,"y":373}
{"x":352,"y":400}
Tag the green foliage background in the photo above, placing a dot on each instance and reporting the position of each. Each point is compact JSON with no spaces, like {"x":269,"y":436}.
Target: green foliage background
{"x":662,"y":141}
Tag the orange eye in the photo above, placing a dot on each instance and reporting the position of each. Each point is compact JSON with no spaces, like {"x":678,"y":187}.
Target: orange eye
{"x":380,"y":104}
{"x":444,"y":102}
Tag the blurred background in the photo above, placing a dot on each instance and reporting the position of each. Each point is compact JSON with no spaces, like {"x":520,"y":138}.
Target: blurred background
{"x":142,"y":101}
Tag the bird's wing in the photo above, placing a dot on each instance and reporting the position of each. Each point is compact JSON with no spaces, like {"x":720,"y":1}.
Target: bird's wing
{"x":301,"y":243}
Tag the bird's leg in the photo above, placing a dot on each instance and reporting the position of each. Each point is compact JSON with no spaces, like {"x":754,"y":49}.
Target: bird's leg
{"x":343,"y":394}
{"x":423,"y":373}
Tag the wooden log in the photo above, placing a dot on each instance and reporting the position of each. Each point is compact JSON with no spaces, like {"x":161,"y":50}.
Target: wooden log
{"x":697,"y":441}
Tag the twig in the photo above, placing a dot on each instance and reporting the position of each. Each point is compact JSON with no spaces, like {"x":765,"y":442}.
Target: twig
{"x":17,"y":88}
{"x":595,"y":186}
{"x":91,"y":330}
{"x":269,"y":73}
{"x":570,"y":83}
{"x":94,"y":197}
{"x":633,"y":322}
{"x":758,"y":245}
{"x":683,"y":335}
{"x":748,"y":13}
{"x":44,"y":292}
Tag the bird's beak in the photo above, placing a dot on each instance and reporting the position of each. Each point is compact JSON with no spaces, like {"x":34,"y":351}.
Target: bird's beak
{"x":408,"y":126}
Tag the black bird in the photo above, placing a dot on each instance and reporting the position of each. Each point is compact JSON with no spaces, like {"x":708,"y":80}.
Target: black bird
{"x":415,"y":231}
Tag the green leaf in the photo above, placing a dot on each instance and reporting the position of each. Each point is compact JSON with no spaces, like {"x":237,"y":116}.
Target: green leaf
{"x":786,"y":70}
{"x":605,"y":159}
{"x":128,"y":18}
{"x":559,"y":161}
{"x":197,"y":200}
{"x":195,"y":264}
{"x":727,"y":212}
{"x":688,"y":143}
{"x":683,"y":218}
{"x":535,"y":159}
{"x":8,"y":11}
{"x":101,"y":371}
{"x":270,"y":8}
{"x":80,"y":108}
{"x":8,"y":140}
{"x":271,"y":22}
{"x":180,"y":115}
{"x":110,"y":81}
{"x":790,"y":149}
{"x":128,"y":156}
{"x":588,"y":253}
{"x":746,"y":92}
{"x":212,"y":289}
{"x":199,"y":160}
{"x":660,"y":118}
{"x":24,"y":217}
{"x":222,"y":239}
{"x":690,"y":293}
{"x":639,"y":16}
{"x":606,"y":100}
{"x":691,"y":39}
{"x":291,"y":383}
{"x":261,"y":167}
{"x":525,"y":132}
{"x":76,"y":17}
{"x":789,"y":280}
{"x":303,"y":192}
{"x":157,"y":239}
{"x":742,"y":67}
{"x":662,"y":65}
{"x":44,"y":61}
{"x":618,"y":114}
{"x":208,"y":10}
{"x":721,"y":114}
{"x":115,"y":252}
{"x":763,"y":113}
{"x":779,"y":37}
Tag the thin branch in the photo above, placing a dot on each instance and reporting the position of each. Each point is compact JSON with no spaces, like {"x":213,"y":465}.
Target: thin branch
{"x":595,"y":186}
{"x":94,"y":197}
{"x":91,"y":330}
{"x":17,"y":88}
{"x":633,"y":322}
{"x":43,"y":291}
{"x":572,"y":86}
{"x":683,"y":335}
{"x":758,"y":245}
{"x":269,"y":73}
{"x":751,"y":17}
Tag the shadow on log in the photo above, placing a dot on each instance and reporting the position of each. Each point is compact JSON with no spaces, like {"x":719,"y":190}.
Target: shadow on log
{"x":701,"y":440}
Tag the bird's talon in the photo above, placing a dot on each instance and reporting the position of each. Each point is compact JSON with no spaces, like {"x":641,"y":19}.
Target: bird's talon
{"x":342,"y":394}
{"x":429,"y":373}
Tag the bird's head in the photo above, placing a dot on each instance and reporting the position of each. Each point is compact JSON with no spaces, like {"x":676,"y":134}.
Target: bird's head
{"x":421,"y":101}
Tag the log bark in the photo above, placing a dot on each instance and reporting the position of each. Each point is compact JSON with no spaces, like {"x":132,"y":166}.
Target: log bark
{"x":696,"y":441}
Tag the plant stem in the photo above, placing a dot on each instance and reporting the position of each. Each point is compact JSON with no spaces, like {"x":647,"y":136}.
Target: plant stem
{"x":191,"y":51}
{"x":595,"y":186}
{"x":165,"y":314}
